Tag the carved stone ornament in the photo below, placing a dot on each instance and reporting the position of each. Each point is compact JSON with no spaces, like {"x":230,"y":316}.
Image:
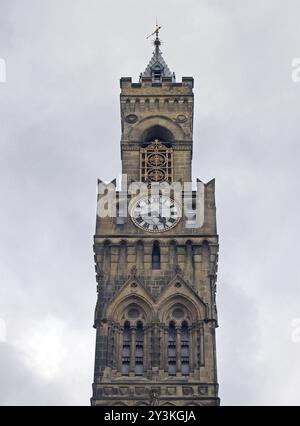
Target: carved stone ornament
{"x":178,"y":270}
{"x":133,"y":271}
{"x":131,"y":118}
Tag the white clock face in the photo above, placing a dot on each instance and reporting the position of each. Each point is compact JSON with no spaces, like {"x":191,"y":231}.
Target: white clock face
{"x":156,"y":213}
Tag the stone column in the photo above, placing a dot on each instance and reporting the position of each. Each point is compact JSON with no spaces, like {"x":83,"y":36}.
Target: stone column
{"x":188,"y":270}
{"x":107,"y":259}
{"x":196,"y":347}
{"x":140,"y":256}
{"x":172,"y":256}
{"x":122,"y":269}
{"x":166,"y":348}
{"x":155,"y":346}
{"x":178,"y":349}
{"x":132,"y":349}
{"x":116,"y":347}
{"x":109,"y":346}
{"x":191,"y":349}
{"x":149,"y":346}
{"x":162,"y":348}
{"x":145,"y":350}
{"x":120,"y":349}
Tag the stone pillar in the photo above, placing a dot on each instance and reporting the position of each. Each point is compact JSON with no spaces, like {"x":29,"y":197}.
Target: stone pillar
{"x":155,"y":346}
{"x":188,"y":270}
{"x":191,"y":348}
{"x":109,"y":346}
{"x":166,"y":348}
{"x":172,"y":256}
{"x":132,"y":349}
{"x":120,"y":349}
{"x":201,"y":345}
{"x":140,"y":257}
{"x":197,"y":353}
{"x":122,"y":265}
{"x":149,"y":347}
{"x":178,"y":349}
{"x":162,"y":348}
{"x":107,"y":259}
{"x":145,"y":350}
{"x":116,"y":354}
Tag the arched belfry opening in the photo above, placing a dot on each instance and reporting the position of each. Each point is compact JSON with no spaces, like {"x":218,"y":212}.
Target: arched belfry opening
{"x":158,"y":132}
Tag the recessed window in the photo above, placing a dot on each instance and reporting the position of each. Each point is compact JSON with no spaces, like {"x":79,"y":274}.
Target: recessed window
{"x":185,"y":355}
{"x":139,"y":351}
{"x":126,"y":349}
{"x":172,"y":350}
{"x":156,"y":256}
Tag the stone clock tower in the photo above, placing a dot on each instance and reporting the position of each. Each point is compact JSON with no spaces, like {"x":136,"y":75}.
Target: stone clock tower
{"x":156,"y":314}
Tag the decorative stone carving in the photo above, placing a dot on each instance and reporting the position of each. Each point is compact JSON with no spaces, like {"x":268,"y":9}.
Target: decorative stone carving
{"x":181,"y":118}
{"x":108,"y":391}
{"x":203,"y":390}
{"x":131,"y":118}
{"x":188,"y":390}
{"x":154,"y":397}
{"x":133,"y":271}
{"x":178,"y":270}
{"x":140,"y":390}
{"x":124,"y":390}
{"x":171,"y":390}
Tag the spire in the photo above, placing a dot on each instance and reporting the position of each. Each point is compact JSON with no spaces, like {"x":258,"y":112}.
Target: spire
{"x":157,"y":67}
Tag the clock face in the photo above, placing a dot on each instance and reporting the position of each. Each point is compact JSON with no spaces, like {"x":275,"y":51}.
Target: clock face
{"x":156,"y":213}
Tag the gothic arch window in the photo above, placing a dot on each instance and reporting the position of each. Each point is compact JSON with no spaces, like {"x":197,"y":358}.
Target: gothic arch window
{"x":126,"y":349}
{"x":156,"y":255}
{"x":139,"y":351}
{"x":172,"y":349}
{"x":185,"y":350}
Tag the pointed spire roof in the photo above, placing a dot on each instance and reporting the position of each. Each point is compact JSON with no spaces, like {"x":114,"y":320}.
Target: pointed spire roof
{"x":157,"y":63}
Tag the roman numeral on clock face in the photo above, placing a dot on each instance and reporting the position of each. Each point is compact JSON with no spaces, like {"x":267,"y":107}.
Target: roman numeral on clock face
{"x":156,"y":214}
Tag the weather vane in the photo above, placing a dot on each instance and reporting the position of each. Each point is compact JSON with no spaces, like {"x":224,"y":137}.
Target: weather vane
{"x":158,"y":28}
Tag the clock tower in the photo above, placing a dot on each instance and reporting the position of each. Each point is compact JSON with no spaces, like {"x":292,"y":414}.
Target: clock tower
{"x":156,"y":315}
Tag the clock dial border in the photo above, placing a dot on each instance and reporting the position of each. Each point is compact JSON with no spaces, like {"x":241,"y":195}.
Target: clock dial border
{"x":158,"y":229}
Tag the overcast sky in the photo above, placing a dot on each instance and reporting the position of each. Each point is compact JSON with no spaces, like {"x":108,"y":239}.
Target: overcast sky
{"x":60,"y":131}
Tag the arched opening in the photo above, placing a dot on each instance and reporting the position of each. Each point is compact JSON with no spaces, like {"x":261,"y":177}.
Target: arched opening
{"x":156,"y":256}
{"x":139,"y":352}
{"x":172,"y":349}
{"x":185,"y":350}
{"x":157,"y":132}
{"x":126,"y":349}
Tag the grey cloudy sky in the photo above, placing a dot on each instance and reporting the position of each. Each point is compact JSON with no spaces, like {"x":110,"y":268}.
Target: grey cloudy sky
{"x":60,"y":131}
